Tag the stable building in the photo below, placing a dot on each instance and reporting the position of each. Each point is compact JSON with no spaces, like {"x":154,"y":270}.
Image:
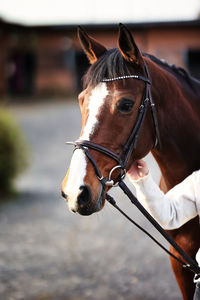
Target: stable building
{"x":48,"y":60}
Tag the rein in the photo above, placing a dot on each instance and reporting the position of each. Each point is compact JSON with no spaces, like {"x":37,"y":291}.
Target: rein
{"x":190,"y":263}
{"x":122,"y":160}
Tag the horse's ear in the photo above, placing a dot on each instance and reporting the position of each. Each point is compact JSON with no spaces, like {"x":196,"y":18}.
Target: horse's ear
{"x":92,"y":48}
{"x":128,"y":47}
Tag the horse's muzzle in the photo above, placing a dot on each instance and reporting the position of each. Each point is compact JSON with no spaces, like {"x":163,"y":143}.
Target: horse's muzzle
{"x":84,"y":204}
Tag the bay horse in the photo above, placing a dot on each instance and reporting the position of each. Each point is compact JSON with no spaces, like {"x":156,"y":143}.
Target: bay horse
{"x":109,"y":111}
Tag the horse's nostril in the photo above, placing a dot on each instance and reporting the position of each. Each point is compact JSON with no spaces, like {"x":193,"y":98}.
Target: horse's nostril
{"x":63,"y":195}
{"x":85,"y":196}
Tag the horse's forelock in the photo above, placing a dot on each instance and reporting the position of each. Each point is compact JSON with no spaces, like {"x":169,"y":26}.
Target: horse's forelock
{"x":111,"y":64}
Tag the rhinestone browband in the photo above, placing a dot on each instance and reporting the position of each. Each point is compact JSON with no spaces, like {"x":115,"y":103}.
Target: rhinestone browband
{"x":126,"y":77}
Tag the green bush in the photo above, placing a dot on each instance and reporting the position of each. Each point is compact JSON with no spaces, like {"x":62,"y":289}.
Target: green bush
{"x":13,"y":152}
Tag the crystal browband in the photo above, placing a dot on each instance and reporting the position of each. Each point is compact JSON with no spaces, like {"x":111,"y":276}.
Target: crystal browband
{"x":126,"y":77}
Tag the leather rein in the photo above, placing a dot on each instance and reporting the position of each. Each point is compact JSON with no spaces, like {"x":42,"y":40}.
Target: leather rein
{"x":122,"y":160}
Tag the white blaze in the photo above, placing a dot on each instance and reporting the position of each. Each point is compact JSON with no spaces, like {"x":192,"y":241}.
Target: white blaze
{"x":97,"y":98}
{"x":78,"y":164}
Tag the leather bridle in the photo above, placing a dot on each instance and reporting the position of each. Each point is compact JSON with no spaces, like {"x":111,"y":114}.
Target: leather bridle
{"x":122,"y":160}
{"x":123,"y":157}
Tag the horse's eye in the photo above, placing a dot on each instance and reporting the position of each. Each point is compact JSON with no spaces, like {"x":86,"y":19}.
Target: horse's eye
{"x":125,"y":105}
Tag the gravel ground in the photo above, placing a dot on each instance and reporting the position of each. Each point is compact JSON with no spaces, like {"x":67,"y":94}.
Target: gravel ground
{"x":48,"y":253}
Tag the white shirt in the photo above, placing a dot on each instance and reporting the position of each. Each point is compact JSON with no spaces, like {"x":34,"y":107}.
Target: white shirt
{"x":176,"y":207}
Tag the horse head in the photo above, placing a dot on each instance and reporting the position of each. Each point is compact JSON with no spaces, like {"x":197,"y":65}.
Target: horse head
{"x":109,"y":111}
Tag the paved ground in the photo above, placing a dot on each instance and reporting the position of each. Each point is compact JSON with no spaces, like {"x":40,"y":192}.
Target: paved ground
{"x":47,"y":253}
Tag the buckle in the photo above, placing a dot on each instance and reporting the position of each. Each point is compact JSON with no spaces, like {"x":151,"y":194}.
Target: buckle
{"x":106,"y":181}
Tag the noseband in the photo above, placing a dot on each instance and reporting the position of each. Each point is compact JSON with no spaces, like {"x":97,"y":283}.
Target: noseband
{"x":124,"y":155}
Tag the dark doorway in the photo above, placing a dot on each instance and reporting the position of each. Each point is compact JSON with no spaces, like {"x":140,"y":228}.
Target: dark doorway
{"x":22,"y":66}
{"x":194,"y":62}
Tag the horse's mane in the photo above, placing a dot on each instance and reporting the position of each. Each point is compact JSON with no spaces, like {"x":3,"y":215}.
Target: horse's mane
{"x":112,"y":64}
{"x":177,"y":71}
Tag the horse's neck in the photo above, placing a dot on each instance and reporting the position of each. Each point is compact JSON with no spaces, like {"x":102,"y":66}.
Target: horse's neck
{"x":179,"y":126}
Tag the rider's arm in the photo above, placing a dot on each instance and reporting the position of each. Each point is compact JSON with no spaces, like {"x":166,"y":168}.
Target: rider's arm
{"x":173,"y":209}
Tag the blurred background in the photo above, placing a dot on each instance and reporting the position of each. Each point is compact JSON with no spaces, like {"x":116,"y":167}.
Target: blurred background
{"x":47,"y":253}
{"x":40,"y":54}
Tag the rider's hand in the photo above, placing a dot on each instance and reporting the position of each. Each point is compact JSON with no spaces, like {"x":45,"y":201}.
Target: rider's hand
{"x":138,"y":170}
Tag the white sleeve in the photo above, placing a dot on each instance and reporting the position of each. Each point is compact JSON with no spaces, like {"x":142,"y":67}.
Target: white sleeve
{"x":173,"y":209}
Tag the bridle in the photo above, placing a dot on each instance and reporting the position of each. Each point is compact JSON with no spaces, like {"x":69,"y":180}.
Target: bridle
{"x":123,"y":157}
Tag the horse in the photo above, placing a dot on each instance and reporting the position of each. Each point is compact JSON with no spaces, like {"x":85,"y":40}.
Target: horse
{"x":110,"y":103}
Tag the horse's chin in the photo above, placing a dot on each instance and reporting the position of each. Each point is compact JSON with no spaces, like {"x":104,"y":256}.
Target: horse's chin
{"x":95,"y":206}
